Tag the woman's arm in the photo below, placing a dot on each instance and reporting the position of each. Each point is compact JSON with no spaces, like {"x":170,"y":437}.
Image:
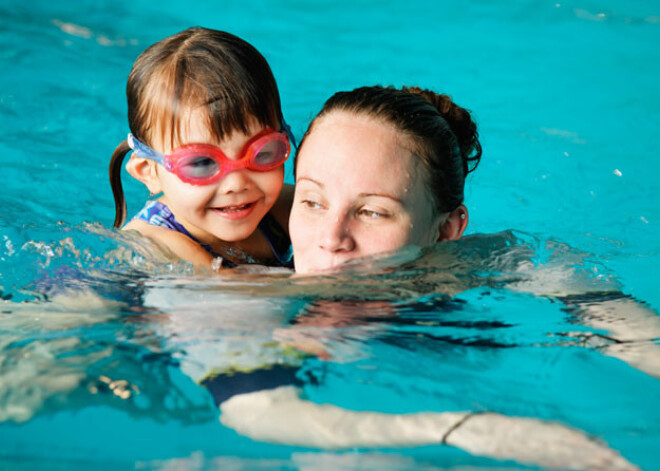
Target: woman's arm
{"x":281,"y":416}
{"x":632,"y":327}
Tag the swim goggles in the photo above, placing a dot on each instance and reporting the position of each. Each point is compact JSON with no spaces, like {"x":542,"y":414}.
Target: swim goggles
{"x":203,"y":164}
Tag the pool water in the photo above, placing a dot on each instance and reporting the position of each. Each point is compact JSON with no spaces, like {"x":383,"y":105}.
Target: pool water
{"x":102,"y":349}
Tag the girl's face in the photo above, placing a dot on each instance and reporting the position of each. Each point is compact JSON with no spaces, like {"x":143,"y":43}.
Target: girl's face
{"x":229,"y":209}
{"x":359,"y":191}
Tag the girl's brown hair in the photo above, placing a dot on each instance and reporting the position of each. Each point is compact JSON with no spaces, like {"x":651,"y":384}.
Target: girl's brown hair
{"x":197,"y":68}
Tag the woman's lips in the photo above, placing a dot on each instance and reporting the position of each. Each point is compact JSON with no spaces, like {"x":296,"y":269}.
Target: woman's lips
{"x":238,"y":211}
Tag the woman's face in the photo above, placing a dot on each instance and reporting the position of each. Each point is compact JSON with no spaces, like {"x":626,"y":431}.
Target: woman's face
{"x":359,"y":191}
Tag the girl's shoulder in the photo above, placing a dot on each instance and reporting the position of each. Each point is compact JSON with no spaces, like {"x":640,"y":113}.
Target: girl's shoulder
{"x":180,"y":245}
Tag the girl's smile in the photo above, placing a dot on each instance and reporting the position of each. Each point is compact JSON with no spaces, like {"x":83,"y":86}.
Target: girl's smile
{"x":235,"y":212}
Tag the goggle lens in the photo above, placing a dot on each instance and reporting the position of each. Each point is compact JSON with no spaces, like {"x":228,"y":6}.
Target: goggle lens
{"x":272,"y":154}
{"x":198,"y":167}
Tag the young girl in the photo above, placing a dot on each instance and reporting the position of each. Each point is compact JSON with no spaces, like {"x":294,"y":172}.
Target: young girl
{"x":207,"y":132}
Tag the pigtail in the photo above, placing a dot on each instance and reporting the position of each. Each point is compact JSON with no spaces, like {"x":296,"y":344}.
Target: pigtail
{"x":460,"y":122}
{"x":115,"y":182}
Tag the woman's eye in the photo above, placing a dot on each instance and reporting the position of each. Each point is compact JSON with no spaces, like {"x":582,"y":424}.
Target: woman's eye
{"x":310,"y":204}
{"x":372,"y":214}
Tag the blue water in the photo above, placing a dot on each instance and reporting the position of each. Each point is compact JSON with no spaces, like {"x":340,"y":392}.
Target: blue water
{"x":566,"y":98}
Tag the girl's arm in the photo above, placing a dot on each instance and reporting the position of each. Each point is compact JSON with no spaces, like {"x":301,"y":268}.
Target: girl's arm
{"x":180,"y":245}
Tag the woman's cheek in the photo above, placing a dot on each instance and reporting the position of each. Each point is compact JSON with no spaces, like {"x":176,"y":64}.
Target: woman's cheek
{"x":382,"y":238}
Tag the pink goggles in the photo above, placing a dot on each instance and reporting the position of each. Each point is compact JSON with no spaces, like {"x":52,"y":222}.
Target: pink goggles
{"x":203,"y":164}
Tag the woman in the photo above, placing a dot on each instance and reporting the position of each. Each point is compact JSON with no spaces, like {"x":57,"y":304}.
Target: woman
{"x":378,"y":169}
{"x":382,"y":168}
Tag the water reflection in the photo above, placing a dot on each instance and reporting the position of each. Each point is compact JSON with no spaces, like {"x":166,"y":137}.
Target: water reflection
{"x":100,"y":319}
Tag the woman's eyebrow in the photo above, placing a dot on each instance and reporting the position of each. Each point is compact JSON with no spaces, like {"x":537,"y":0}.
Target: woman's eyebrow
{"x":360,"y":195}
{"x":381,"y":195}
{"x":309,"y":179}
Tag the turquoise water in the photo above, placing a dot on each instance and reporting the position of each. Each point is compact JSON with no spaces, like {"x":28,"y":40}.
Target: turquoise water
{"x":566,"y":98}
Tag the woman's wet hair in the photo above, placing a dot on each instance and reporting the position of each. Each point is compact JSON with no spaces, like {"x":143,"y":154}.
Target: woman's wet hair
{"x":197,"y":69}
{"x":443,"y":135}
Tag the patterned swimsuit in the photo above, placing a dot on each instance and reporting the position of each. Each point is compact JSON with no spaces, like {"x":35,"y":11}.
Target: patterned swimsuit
{"x":158,"y":214}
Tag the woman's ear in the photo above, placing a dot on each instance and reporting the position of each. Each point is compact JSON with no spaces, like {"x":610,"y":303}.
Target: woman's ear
{"x":145,"y":171}
{"x":454,"y":225}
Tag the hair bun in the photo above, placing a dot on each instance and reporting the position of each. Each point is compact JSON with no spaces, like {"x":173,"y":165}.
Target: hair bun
{"x":461,"y":123}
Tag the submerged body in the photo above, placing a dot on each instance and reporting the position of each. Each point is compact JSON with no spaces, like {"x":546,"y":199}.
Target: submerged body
{"x":423,"y":319}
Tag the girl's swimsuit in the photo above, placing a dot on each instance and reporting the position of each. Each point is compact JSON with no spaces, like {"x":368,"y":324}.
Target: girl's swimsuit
{"x":158,"y":214}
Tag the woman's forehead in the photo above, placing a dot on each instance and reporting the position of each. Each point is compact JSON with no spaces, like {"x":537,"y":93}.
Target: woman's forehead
{"x":342,"y":119}
{"x":356,"y":137}
{"x":359,"y":153}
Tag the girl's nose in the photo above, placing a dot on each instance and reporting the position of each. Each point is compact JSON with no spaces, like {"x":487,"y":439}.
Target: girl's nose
{"x":235,"y":182}
{"x":337,"y":235}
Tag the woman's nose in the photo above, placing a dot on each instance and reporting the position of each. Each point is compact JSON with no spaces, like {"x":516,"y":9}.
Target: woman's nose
{"x":336,"y":236}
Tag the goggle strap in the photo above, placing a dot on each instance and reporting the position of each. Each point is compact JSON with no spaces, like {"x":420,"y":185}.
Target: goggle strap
{"x":287,"y":128}
{"x":144,"y":151}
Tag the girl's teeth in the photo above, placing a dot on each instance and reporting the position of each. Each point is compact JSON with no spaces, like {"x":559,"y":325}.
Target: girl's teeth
{"x":234,"y":208}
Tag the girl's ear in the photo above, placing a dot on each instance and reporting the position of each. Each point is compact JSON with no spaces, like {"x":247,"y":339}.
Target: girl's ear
{"x":145,"y":171}
{"x":454,"y":225}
